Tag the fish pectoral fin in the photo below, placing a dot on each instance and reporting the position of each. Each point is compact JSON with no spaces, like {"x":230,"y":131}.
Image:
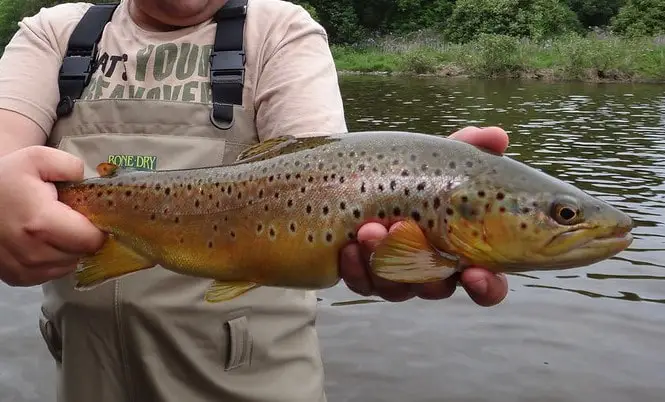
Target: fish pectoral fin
{"x":114,"y":260}
{"x":223,"y":291}
{"x":406,"y":256}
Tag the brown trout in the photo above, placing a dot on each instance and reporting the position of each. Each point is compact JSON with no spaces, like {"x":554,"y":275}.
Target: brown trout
{"x":280,"y":214}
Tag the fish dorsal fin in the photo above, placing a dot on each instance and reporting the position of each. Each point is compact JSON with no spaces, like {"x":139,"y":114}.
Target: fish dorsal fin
{"x":280,"y":146}
{"x":271,"y":144}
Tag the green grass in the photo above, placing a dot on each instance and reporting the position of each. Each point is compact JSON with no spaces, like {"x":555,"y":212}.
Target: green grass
{"x":595,"y":57}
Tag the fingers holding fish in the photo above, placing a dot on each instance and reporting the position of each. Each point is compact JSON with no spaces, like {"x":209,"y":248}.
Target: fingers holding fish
{"x":485,"y":288}
{"x":494,"y":139}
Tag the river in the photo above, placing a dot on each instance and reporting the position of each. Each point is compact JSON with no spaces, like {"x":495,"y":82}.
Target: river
{"x":590,"y":334}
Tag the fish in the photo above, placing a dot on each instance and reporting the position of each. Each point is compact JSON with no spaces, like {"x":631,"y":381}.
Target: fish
{"x":279,"y":215}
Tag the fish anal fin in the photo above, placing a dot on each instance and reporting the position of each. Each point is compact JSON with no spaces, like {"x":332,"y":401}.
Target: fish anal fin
{"x":223,"y":291}
{"x":114,"y":260}
{"x":405,"y":255}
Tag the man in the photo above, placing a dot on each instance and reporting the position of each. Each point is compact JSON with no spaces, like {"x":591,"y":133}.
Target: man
{"x":149,"y":104}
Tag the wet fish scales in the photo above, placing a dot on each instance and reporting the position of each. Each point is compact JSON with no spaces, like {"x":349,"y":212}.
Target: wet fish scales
{"x":279,"y":216}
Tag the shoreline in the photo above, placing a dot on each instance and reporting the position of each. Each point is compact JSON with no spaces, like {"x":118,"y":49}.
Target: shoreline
{"x":572,"y":58}
{"x":543,"y":75}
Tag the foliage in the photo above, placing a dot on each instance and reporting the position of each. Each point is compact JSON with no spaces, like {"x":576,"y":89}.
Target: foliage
{"x":640,"y":18}
{"x":595,"y":13}
{"x":569,"y":57}
{"x":520,"y":18}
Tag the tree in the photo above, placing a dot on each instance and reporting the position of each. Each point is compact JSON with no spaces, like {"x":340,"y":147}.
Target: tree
{"x":640,"y":18}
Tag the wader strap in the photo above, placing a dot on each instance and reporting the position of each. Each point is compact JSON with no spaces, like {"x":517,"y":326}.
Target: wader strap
{"x":80,"y":60}
{"x":227,"y":62}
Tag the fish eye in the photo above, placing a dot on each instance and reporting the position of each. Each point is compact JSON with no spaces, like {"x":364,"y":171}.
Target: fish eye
{"x":566,"y":214}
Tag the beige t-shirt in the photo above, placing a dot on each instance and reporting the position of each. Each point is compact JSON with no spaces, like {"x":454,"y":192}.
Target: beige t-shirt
{"x":290,"y":77}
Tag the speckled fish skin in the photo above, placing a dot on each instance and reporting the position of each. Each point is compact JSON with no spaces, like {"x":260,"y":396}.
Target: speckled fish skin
{"x":280,"y":216}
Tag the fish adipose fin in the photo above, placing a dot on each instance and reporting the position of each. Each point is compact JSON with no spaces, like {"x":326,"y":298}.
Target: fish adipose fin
{"x":406,"y":256}
{"x":114,"y":260}
{"x":223,"y":291}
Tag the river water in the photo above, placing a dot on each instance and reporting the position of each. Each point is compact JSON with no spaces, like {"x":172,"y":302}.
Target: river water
{"x":590,"y":334}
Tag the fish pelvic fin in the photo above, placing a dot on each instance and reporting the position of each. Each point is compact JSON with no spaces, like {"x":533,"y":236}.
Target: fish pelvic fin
{"x":406,"y":256}
{"x":114,"y":260}
{"x":223,"y":291}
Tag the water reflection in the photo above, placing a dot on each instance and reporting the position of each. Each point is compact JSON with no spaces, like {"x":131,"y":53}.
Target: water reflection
{"x":606,"y":139}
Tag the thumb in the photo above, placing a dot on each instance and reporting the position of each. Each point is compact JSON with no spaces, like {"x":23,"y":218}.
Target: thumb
{"x":54,"y":165}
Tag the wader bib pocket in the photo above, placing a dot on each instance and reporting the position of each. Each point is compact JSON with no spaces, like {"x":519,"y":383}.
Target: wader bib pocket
{"x":50,"y":335}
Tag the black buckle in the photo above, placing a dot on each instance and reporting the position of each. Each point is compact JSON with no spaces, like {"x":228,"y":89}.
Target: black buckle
{"x":227,"y":67}
{"x":77,"y":68}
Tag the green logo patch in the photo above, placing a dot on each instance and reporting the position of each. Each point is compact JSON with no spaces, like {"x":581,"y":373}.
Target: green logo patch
{"x":140,"y":162}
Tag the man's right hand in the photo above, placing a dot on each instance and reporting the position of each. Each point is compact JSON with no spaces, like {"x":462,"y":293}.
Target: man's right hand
{"x":41,"y":239}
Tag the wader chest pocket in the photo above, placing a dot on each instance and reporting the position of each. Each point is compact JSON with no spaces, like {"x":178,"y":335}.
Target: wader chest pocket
{"x":240,"y":343}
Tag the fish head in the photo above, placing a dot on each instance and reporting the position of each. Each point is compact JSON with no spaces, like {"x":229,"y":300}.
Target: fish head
{"x":515,"y":218}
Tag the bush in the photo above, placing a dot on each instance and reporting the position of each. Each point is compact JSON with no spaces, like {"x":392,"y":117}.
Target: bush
{"x":640,"y":18}
{"x":536,"y":19}
{"x":494,"y":55}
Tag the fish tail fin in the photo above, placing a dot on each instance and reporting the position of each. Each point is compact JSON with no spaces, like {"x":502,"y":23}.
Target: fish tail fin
{"x":114,"y":260}
{"x":405,"y":255}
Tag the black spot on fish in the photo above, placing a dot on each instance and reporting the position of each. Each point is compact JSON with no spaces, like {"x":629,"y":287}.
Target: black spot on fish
{"x":128,"y":193}
{"x":209,"y":244}
{"x":393,"y":184}
{"x":329,"y":237}
{"x":421,"y":186}
{"x":449,"y":211}
{"x":276,"y":195}
{"x":435,"y":154}
{"x":271,"y":178}
{"x":381,"y":214}
{"x":379,"y":156}
{"x":215,"y":228}
{"x":438,"y":172}
{"x":500,"y":196}
{"x":469,"y":164}
{"x":229,"y":190}
{"x":452,"y":165}
{"x":302,"y":189}
{"x":153,"y":217}
{"x":381,"y":187}
{"x":481,"y":194}
{"x":465,"y":198}
{"x":266,"y":207}
{"x":423,"y":168}
{"x":362,"y":187}
{"x":289,"y":203}
{"x":311,"y":179}
{"x":430,"y":224}
{"x":416,"y":216}
{"x":405,"y":172}
{"x":189,"y":186}
{"x":361,"y":167}
{"x":523,"y":226}
{"x":261,"y":193}
{"x":396,"y":162}
{"x":351,"y":235}
{"x":436,"y":203}
{"x":407,"y":191}
{"x":341,"y":179}
{"x":310,"y":238}
{"x":177,"y":219}
{"x":240,"y":195}
{"x":525,"y":210}
{"x":502,"y":209}
{"x":233,"y":234}
{"x":342,"y":205}
{"x":356,"y":213}
{"x":292,"y":227}
{"x":308,"y":209}
{"x":259,"y":227}
{"x":325,"y":210}
{"x":397,"y":211}
{"x":272,"y":232}
{"x":100,"y":193}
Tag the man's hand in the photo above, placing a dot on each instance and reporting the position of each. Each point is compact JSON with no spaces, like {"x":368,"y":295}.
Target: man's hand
{"x":40,"y":238}
{"x":484,"y":287}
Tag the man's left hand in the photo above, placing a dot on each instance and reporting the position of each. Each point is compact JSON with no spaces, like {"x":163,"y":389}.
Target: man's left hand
{"x":484,"y":287}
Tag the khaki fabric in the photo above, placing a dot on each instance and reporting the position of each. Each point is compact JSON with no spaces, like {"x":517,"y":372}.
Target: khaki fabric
{"x":151,"y":336}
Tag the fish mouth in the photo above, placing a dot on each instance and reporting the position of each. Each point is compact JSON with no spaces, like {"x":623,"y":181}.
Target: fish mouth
{"x":585,"y":245}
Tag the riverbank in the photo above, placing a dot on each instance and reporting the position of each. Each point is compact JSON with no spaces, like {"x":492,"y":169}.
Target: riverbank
{"x":594,"y":58}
